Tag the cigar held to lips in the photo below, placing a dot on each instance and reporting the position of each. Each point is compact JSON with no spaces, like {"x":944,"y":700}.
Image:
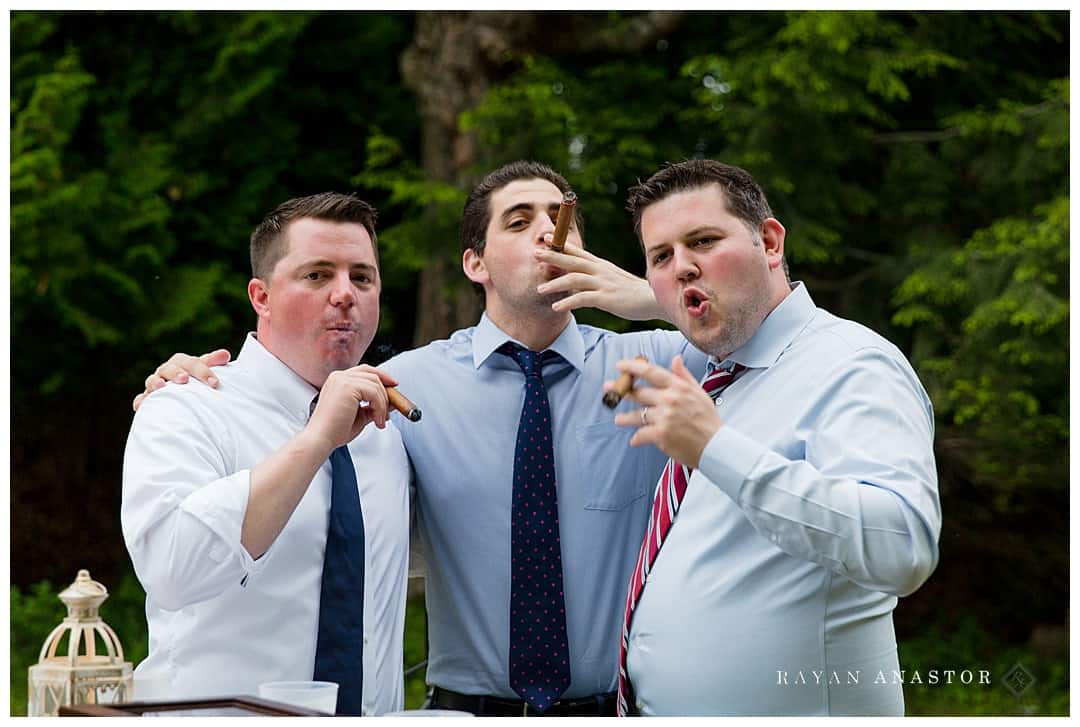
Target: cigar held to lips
{"x":562,"y":222}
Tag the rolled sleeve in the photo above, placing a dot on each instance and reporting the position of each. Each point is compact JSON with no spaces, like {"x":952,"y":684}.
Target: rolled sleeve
{"x":182,"y":509}
{"x":221,"y":506}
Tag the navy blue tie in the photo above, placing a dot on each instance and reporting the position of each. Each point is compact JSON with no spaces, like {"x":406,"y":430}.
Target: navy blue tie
{"x":539,"y":652}
{"x":339,"y":653}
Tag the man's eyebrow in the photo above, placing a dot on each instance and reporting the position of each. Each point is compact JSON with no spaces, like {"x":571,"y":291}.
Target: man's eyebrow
{"x":700,"y":229}
{"x":519,"y":207}
{"x":320,"y":263}
{"x":688,"y":235}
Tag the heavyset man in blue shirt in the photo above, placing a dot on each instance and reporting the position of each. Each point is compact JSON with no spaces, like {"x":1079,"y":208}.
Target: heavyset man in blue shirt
{"x":462,"y":455}
{"x":813,"y":502}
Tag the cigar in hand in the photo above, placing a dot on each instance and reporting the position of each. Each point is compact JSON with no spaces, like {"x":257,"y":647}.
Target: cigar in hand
{"x":562,"y":222}
{"x":401,"y":402}
{"x":622,"y":387}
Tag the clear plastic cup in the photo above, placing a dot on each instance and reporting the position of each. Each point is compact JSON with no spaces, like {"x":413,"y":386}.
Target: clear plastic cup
{"x":320,"y":696}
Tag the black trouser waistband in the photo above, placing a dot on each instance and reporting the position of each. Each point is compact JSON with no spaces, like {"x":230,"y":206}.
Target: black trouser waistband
{"x":598,"y":705}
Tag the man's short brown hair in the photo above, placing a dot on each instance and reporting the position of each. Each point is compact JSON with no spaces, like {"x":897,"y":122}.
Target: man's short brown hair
{"x":744,"y":197}
{"x":268,"y":243}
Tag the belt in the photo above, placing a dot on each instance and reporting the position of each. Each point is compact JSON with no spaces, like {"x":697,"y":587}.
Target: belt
{"x":598,"y":705}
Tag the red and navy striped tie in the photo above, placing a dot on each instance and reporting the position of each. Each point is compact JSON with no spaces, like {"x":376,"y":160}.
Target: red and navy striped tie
{"x":669,"y":495}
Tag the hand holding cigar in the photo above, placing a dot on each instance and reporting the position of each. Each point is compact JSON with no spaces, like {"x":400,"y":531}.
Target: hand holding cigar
{"x":562,"y":222}
{"x":622,"y":387}
{"x":401,"y":402}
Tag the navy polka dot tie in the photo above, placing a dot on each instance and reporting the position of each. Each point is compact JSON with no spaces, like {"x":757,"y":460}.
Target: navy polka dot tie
{"x":539,"y":653}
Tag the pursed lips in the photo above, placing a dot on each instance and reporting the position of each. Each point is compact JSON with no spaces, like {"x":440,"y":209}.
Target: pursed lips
{"x":695,"y":302}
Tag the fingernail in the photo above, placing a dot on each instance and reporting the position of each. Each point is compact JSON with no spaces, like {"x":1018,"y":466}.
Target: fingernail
{"x":212,"y":380}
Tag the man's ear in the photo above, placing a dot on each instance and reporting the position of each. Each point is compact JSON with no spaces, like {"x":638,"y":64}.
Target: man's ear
{"x":472,"y":263}
{"x":259,"y":295}
{"x":772,"y":235}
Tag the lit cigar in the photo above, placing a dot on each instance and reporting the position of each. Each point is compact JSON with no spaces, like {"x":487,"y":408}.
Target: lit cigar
{"x":562,"y":222}
{"x":622,"y":387}
{"x":400,"y":402}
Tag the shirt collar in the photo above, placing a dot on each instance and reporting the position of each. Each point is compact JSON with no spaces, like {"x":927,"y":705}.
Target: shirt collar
{"x":775,"y":333}
{"x":286,"y":386}
{"x":487,"y":337}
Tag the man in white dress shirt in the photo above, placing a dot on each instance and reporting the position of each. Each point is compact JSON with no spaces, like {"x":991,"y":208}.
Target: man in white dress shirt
{"x":813,"y":500}
{"x":226,"y":493}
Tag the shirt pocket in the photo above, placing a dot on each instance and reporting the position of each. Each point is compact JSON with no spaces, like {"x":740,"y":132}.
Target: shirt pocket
{"x":614,"y":472}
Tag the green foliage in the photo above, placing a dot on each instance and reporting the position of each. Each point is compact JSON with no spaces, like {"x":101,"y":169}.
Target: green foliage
{"x":430,"y":209}
{"x":415,"y":652}
{"x":992,"y":314}
{"x":998,"y":311}
{"x":971,"y":647}
{"x":145,"y":147}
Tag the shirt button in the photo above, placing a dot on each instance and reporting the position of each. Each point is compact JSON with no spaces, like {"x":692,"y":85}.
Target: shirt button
{"x":365,"y":638}
{"x":719,"y":400}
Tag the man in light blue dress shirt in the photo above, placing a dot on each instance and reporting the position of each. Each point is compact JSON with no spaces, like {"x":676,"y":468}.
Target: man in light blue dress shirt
{"x":463,"y":455}
{"x":813,"y":502}
{"x":462,"y":452}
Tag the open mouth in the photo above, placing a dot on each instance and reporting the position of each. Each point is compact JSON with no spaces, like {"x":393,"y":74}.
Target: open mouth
{"x":695,"y":301}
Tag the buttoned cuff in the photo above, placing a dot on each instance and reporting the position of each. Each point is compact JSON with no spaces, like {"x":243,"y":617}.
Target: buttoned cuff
{"x":728,"y":459}
{"x":221,"y":506}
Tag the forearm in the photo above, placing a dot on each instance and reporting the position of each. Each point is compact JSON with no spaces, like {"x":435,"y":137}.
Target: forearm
{"x":277,"y":485}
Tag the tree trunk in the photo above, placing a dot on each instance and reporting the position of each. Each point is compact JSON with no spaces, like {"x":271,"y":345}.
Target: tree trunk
{"x":455,"y":57}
